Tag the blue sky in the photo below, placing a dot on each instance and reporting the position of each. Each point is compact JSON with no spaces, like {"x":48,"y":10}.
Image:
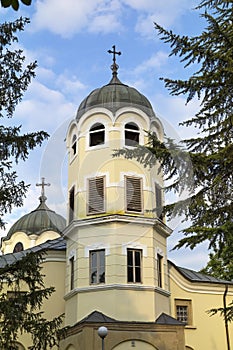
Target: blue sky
{"x":70,"y":39}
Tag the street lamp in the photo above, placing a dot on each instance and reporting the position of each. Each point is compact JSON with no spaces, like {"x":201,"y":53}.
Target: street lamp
{"x":102,"y":333}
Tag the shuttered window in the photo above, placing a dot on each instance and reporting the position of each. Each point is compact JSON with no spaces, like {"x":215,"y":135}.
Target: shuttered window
{"x":160,"y":270}
{"x":133,"y":194}
{"x":159,"y":201}
{"x":96,"y":202}
{"x":71,"y":204}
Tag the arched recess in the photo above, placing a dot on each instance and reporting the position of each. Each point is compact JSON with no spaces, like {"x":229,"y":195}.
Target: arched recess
{"x":18,"y":247}
{"x":70,"y":347}
{"x":139,"y":344}
{"x":188,"y":348}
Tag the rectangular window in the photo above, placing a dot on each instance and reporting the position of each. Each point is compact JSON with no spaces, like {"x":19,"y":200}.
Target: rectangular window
{"x":133,"y":194}
{"x":183,"y":309}
{"x":97,"y":266}
{"x":72,"y":273}
{"x":158,"y":201}
{"x":71,"y":204}
{"x":134,"y":265}
{"x":96,"y":202}
{"x":160,"y":270}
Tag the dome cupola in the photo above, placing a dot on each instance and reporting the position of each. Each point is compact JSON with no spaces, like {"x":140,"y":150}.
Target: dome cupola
{"x":37,"y":221}
{"x":115,"y":95}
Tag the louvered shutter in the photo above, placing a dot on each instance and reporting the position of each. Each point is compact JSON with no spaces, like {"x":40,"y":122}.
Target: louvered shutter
{"x":159,"y":202}
{"x":134,"y":194}
{"x":96,"y":195}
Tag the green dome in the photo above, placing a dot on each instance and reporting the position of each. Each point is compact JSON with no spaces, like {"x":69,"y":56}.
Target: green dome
{"x":114,"y":96}
{"x":37,"y":221}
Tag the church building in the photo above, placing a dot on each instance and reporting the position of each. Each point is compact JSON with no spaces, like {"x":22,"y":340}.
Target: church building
{"x":108,"y":259}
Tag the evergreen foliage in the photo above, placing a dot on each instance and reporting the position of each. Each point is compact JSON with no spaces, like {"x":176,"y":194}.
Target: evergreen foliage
{"x":14,"y":3}
{"x":220,"y":265}
{"x":14,"y":146}
{"x":22,"y":293}
{"x":209,"y":206}
{"x":210,"y":54}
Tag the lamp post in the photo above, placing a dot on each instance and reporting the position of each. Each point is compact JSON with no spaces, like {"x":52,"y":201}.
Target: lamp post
{"x":102,"y":333}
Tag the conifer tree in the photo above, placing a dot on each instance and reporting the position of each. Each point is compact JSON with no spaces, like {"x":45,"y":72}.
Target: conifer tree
{"x":22,"y":292}
{"x":202,"y":164}
{"x":22,"y":289}
{"x":14,"y":146}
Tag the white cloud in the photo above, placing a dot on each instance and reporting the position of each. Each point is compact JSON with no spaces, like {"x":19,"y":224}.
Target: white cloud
{"x":43,"y":108}
{"x":71,"y":16}
{"x":165,"y":13}
{"x":69,"y":85}
{"x":156,"y":61}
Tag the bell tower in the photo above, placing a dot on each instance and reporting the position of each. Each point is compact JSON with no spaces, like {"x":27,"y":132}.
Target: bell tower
{"x":116,"y":241}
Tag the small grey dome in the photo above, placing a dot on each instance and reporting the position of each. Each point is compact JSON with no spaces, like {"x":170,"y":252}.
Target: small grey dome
{"x":37,"y":221}
{"x":114,"y":96}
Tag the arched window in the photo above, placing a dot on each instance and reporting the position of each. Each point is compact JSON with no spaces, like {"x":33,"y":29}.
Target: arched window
{"x":18,"y":247}
{"x":97,"y":134}
{"x":74,"y":145}
{"x":131,"y":134}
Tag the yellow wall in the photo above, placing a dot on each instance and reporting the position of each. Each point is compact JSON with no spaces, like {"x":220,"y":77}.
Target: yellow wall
{"x":205,"y":332}
{"x":117,"y":298}
{"x":98,"y":160}
{"x":28,"y":241}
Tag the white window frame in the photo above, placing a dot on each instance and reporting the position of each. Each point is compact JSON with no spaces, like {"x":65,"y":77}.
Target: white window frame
{"x":133,"y":131}
{"x":93,"y":132}
{"x":98,"y":266}
{"x":134,"y":267}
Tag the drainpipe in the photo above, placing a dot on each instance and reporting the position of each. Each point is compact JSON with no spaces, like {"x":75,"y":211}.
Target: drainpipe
{"x":225,"y":317}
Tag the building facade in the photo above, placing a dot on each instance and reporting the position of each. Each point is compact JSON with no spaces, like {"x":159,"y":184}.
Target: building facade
{"x":110,"y":257}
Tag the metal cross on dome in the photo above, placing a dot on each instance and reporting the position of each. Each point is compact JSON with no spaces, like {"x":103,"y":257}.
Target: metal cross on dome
{"x":114,"y":52}
{"x":43,"y":184}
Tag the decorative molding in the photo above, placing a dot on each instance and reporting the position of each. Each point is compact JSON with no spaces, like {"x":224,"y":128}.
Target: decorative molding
{"x":97,"y":246}
{"x":101,"y":287}
{"x":134,"y":245}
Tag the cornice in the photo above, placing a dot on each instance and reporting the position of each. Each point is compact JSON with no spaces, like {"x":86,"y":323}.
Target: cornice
{"x":153,"y":222}
{"x":104,"y":287}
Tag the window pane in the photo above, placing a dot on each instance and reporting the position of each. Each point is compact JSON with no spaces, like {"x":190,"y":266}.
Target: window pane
{"x":131,"y":134}
{"x":137,"y":274}
{"x":102,"y":274}
{"x":137,"y":258}
{"x":130,"y":274}
{"x":182,"y":313}
{"x":159,"y":202}
{"x":97,"y":138}
{"x":134,"y":265}
{"x":131,"y":126}
{"x":93,"y":259}
{"x":71,"y":204}
{"x":130,"y":257}
{"x":97,"y":266}
{"x":131,"y":138}
{"x":97,"y":134}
